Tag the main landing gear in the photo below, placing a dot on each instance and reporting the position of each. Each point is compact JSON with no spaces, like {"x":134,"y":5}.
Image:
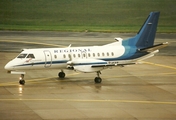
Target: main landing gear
{"x":61,"y":74}
{"x":22,"y":81}
{"x":98,"y":78}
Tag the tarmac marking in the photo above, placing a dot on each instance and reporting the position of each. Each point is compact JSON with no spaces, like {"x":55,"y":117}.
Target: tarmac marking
{"x":150,"y":63}
{"x":119,"y":76}
{"x":160,"y":65}
{"x":33,"y":80}
{"x":42,"y":79}
{"x":159,"y":74}
{"x":14,"y":41}
{"x":91,"y":100}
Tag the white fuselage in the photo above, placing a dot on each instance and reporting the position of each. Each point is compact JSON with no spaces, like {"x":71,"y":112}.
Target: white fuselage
{"x":59,"y":58}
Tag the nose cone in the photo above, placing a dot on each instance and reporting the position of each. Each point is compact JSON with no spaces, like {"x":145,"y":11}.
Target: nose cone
{"x":8,"y":66}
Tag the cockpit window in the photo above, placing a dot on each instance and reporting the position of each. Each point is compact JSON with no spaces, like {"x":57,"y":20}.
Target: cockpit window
{"x":21,"y":55}
{"x":30,"y":56}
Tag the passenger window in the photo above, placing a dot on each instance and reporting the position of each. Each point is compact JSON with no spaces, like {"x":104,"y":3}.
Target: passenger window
{"x":89,"y":54}
{"x":22,"y":56}
{"x":55,"y":56}
{"x":70,"y":57}
{"x":94,"y":54}
{"x":112,"y":54}
{"x":79,"y":55}
{"x":64,"y":56}
{"x":98,"y":54}
{"x":102,"y":54}
{"x":107,"y":54}
{"x":30,"y":56}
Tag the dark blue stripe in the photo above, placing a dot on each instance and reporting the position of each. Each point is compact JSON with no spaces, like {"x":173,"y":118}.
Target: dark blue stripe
{"x":94,"y":63}
{"x":43,"y":63}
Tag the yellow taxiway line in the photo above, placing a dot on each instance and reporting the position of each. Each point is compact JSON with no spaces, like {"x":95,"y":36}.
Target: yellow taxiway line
{"x":91,"y":100}
{"x":160,"y":65}
{"x":119,"y":76}
{"x":33,"y":80}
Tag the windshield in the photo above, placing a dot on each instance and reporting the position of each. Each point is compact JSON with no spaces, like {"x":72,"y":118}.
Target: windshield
{"x":21,"y":55}
{"x":30,"y":56}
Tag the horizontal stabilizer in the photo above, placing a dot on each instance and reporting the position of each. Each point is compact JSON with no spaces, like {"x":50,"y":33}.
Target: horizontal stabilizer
{"x":154,"y":47}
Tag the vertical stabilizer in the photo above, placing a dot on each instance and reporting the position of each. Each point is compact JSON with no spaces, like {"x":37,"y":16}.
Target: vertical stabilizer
{"x":146,"y":35}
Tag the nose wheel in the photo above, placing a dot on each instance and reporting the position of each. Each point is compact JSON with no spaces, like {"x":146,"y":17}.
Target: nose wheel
{"x":22,"y":81}
{"x":61,"y":74}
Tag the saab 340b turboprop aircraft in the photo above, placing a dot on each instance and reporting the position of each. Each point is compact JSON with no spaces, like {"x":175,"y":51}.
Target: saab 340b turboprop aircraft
{"x":91,"y":58}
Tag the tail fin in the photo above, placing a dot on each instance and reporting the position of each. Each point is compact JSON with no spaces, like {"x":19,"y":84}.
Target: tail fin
{"x":146,"y":35}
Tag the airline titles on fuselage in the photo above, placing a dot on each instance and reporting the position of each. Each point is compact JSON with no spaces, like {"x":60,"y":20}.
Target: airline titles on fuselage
{"x":72,"y":50}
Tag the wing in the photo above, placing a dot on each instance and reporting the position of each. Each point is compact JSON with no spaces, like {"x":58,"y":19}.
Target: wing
{"x":111,"y":65}
{"x":94,"y":65}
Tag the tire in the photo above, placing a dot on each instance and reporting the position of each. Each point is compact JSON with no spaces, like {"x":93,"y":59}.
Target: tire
{"x":97,"y":80}
{"x":22,"y":82}
{"x":61,"y":75}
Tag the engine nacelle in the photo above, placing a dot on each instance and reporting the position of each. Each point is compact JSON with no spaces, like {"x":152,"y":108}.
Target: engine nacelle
{"x":87,"y":68}
{"x":85,"y":65}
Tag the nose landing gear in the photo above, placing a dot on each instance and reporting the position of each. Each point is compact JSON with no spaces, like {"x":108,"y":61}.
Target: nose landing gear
{"x":61,"y":74}
{"x":22,"y":81}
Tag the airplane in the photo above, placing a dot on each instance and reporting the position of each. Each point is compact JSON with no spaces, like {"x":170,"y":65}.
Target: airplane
{"x":91,"y":58}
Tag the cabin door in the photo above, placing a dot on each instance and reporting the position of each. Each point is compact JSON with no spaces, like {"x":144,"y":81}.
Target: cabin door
{"x":48,"y":58}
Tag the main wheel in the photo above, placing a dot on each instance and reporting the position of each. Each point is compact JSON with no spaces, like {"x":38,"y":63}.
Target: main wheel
{"x":97,"y":80}
{"x":22,"y":82}
{"x":61,"y":75}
